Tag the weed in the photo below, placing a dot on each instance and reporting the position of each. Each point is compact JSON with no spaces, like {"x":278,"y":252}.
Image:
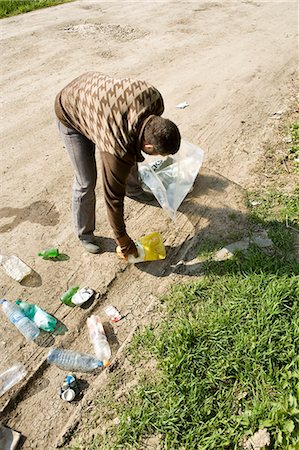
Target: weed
{"x":13,"y":7}
{"x":274,"y":211}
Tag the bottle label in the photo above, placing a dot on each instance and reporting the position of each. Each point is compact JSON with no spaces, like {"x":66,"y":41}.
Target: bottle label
{"x":16,"y":317}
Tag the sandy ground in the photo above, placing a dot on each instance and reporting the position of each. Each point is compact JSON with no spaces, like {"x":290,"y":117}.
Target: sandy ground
{"x":233,"y":62}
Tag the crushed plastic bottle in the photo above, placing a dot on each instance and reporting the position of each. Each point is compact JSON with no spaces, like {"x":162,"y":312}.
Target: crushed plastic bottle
{"x":49,"y":253}
{"x":73,"y":361}
{"x":66,"y":298}
{"x":16,"y":316}
{"x":11,"y":376}
{"x":98,"y":339}
{"x":15,"y":267}
{"x":113,"y":313}
{"x":40,"y":317}
{"x":82,"y":295}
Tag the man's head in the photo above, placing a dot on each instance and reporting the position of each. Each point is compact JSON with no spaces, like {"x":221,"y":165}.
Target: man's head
{"x":161,"y":136}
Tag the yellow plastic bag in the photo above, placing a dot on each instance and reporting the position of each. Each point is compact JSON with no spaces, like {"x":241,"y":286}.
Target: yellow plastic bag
{"x":149,"y":247}
{"x":153,"y":247}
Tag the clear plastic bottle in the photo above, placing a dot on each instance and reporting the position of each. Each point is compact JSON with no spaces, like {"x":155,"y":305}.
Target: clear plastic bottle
{"x":40,"y":317}
{"x":15,"y":267}
{"x":73,"y":361}
{"x":14,"y":313}
{"x":11,"y":376}
{"x":98,"y":339}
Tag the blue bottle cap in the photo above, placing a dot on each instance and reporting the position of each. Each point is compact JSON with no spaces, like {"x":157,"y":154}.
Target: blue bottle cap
{"x":100,"y":363}
{"x":69,"y":379}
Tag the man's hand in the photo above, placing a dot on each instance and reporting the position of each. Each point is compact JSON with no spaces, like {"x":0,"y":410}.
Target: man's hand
{"x":126,"y":247}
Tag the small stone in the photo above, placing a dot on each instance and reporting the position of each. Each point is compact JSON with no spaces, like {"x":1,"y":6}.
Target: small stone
{"x":228,"y":251}
{"x":258,"y":441}
{"x":262,"y":240}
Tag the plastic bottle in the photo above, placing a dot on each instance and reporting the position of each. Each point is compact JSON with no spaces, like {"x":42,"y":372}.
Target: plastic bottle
{"x":49,"y":253}
{"x":73,"y":361}
{"x":98,"y":339}
{"x":82,"y":296}
{"x":149,"y":247}
{"x":113,"y":313}
{"x":40,"y":317}
{"x":66,"y":298}
{"x":14,"y":313}
{"x":11,"y":376}
{"x":15,"y":267}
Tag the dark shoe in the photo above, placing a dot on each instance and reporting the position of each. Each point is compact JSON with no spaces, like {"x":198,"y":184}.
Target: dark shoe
{"x":91,"y":246}
{"x":143,"y":197}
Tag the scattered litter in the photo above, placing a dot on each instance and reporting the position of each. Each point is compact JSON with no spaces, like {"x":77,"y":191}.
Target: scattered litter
{"x":66,"y":298}
{"x":113,"y":313}
{"x":182,"y":105}
{"x":19,"y":319}
{"x":10,"y":377}
{"x":38,"y":315}
{"x":70,"y":389}
{"x":73,"y":361}
{"x":149,"y":247}
{"x":49,"y":253}
{"x":15,"y":267}
{"x":255,"y":203}
{"x":82,"y":295}
{"x":258,"y":441}
{"x":98,"y":339}
{"x":9,"y":438}
{"x":276,"y":115}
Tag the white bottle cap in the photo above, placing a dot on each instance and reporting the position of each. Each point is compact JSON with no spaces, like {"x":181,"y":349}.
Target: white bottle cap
{"x":68,"y":395}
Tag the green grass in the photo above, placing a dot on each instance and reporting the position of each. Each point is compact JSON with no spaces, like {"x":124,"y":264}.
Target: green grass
{"x":278,"y":213}
{"x":227,"y":361}
{"x":13,"y":7}
{"x":294,"y":146}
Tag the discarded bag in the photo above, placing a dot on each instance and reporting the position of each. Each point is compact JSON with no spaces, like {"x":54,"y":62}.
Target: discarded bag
{"x":171,"y":178}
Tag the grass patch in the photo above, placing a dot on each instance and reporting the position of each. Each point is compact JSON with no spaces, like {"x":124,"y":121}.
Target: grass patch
{"x":276,"y":211}
{"x":227,"y":361}
{"x":14,"y":7}
{"x":294,"y":144}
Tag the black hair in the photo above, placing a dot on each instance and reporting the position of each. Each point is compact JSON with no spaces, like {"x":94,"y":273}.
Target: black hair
{"x":163,"y":134}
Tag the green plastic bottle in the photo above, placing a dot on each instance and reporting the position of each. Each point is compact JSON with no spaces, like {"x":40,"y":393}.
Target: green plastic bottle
{"x":66,"y":298}
{"x":39,"y":316}
{"x":49,"y":253}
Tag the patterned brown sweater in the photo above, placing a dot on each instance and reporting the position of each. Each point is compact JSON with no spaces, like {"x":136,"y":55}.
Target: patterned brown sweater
{"x":112,"y":114}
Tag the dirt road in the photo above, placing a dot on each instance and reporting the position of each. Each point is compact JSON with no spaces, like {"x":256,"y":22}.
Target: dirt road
{"x":233,"y":62}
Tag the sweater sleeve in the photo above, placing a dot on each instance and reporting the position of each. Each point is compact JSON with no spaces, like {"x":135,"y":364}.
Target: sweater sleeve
{"x":115,"y":172}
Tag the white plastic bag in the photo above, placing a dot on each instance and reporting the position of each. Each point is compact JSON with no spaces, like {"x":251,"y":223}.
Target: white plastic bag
{"x":170,"y":178}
